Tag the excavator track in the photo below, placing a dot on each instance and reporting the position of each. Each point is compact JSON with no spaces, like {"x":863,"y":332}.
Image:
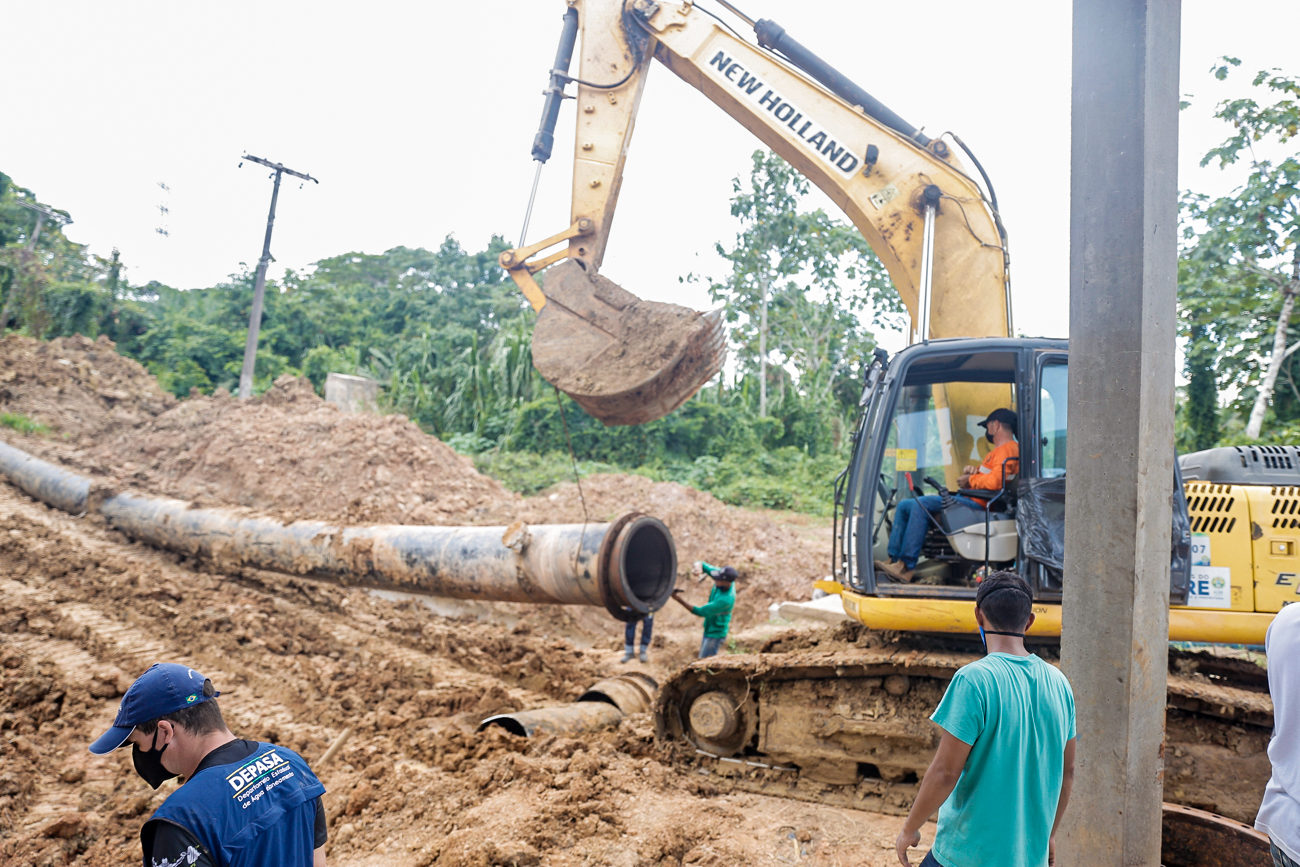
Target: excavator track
{"x":847,"y":725}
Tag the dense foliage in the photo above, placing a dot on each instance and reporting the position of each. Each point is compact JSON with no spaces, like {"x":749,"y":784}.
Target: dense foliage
{"x":1239,"y":275}
{"x":449,"y":337}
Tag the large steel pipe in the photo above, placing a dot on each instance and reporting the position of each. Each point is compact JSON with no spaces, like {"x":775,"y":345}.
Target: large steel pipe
{"x":627,"y":566}
{"x":43,"y":481}
{"x":600,"y":707}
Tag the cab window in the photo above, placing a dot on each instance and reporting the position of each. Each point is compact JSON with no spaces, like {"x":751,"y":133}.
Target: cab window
{"x":1052,"y":403}
{"x":934,"y":432}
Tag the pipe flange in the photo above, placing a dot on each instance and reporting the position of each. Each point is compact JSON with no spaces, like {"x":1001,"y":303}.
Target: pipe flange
{"x":606,"y":563}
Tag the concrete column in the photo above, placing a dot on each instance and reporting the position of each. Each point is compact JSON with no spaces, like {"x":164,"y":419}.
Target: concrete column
{"x":1123,"y":280}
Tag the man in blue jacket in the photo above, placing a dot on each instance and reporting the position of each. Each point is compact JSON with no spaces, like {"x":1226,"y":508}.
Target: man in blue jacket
{"x":240,"y":804}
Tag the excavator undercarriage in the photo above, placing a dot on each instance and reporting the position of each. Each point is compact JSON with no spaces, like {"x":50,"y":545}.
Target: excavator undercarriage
{"x":841,"y":718}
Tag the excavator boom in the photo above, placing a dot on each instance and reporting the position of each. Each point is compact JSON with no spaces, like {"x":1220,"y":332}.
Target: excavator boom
{"x":628,"y":361}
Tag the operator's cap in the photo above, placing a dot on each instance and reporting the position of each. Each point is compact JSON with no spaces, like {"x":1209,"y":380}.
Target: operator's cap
{"x":165,"y":688}
{"x":727,"y":573}
{"x":1006,"y":417}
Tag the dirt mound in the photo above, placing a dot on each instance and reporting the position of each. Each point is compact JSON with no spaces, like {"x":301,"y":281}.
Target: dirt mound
{"x":77,"y":386}
{"x":291,"y":454}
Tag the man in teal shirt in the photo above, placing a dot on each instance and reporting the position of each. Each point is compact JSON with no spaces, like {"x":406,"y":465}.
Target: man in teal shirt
{"x":1005,"y":762}
{"x":717,"y":611}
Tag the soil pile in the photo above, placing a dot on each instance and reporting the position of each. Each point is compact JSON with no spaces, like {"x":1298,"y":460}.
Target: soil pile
{"x":291,"y":454}
{"x":77,"y":386}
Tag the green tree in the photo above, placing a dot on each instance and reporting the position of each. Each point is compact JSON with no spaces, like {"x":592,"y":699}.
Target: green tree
{"x":1240,"y":262}
{"x":1202,"y":394}
{"x":800,"y":284}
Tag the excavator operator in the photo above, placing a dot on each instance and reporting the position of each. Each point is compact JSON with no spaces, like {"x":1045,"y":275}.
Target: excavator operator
{"x":908,"y":533}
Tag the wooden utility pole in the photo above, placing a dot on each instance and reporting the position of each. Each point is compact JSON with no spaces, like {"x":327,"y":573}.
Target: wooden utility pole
{"x":1123,"y":289}
{"x":259,"y":281}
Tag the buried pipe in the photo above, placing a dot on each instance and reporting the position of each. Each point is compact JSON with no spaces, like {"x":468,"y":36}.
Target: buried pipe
{"x":628,"y":566}
{"x":600,"y":707}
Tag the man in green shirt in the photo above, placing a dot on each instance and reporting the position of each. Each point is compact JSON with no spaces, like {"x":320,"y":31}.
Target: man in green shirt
{"x":1005,"y":763}
{"x":717,"y":611}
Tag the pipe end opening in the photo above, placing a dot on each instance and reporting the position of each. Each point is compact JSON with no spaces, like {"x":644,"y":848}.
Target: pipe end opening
{"x":509,"y":723}
{"x":648,"y":564}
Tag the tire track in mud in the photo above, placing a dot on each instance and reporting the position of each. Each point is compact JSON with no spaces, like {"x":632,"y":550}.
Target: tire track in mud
{"x":78,"y":605}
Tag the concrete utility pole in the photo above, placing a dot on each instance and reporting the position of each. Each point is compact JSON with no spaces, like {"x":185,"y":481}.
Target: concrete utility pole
{"x":1123,"y":282}
{"x":259,"y":281}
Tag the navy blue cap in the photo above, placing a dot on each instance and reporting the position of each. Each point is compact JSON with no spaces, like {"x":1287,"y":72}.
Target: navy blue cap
{"x":1003,"y":416}
{"x":165,"y":688}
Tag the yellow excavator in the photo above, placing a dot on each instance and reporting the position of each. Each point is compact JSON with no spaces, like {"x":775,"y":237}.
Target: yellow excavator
{"x":842,"y":720}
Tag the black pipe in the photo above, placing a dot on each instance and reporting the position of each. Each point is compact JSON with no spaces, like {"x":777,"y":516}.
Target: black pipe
{"x":773,"y":36}
{"x":545,"y":138}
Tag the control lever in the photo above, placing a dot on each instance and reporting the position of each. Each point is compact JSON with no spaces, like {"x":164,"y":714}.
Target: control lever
{"x":944,"y":494}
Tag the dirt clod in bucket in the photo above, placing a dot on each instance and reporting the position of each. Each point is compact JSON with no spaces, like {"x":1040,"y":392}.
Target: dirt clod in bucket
{"x":625,"y":360}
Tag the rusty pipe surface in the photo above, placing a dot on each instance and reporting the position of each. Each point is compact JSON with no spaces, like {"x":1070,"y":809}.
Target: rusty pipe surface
{"x":631,"y":693}
{"x":567,"y":719}
{"x":627,"y":566}
{"x":600,"y":707}
{"x":44,"y":481}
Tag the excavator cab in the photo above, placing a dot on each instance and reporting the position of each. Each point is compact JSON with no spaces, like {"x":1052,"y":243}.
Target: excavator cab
{"x":920,"y":428}
{"x":929,"y":433}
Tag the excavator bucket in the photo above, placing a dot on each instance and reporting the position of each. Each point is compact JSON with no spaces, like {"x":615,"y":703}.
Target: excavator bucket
{"x":623,"y":359}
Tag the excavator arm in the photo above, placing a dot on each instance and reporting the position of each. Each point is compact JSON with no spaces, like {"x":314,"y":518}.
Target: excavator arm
{"x":881,"y":172}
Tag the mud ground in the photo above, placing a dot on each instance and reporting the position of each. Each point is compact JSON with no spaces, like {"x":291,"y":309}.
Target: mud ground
{"x":83,"y":610}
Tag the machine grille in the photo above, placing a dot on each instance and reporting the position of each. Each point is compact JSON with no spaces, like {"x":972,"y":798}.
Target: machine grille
{"x":1286,"y":507}
{"x":1277,"y":457}
{"x":1208,"y":506}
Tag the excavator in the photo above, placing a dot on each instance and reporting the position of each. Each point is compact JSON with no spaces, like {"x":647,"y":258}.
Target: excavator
{"x":841,"y":719}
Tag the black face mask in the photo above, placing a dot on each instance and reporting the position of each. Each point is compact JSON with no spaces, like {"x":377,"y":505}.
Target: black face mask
{"x":983,"y":640}
{"x":148,"y":763}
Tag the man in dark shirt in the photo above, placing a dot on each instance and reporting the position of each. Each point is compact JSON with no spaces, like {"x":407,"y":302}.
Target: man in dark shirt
{"x":241,"y":803}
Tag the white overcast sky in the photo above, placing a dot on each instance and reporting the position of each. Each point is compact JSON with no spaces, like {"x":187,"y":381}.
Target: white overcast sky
{"x":418,"y":118}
